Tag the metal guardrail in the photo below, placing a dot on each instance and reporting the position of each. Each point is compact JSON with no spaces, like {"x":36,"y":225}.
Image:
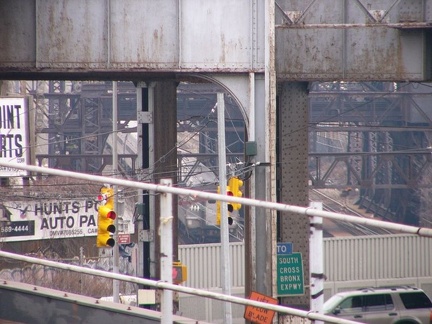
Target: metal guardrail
{"x":172,"y":287}
{"x":180,"y":191}
{"x":422,"y":231}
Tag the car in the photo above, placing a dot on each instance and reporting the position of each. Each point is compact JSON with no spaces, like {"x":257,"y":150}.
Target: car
{"x":381,"y":305}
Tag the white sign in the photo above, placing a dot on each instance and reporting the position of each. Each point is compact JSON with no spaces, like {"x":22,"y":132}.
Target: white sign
{"x":14,"y":138}
{"x":39,"y":220}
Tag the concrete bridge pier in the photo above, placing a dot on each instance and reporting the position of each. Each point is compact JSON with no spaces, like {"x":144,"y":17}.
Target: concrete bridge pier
{"x":292,"y":175}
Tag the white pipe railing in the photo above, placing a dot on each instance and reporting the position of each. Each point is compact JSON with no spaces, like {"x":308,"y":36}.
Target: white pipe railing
{"x":206,"y":195}
{"x":422,"y":231}
{"x":164,"y":285}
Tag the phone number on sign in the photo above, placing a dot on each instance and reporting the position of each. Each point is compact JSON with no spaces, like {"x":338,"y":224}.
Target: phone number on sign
{"x":16,"y":228}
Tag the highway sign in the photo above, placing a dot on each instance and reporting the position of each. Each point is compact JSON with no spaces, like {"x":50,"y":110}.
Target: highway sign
{"x":290,"y":278}
{"x":284,"y":248}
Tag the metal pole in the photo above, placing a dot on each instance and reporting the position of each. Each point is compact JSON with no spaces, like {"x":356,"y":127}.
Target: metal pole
{"x":114,"y":172}
{"x":141,"y":163}
{"x":224,"y":230}
{"x":151,"y":258}
{"x":316,"y":261}
{"x":266,"y":229}
{"x":166,"y":247}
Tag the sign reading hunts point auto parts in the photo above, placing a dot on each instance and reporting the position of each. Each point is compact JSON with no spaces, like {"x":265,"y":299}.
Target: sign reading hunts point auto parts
{"x":14,"y":135}
{"x":23,"y":221}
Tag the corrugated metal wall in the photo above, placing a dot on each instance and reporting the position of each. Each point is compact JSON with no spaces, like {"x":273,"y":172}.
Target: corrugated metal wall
{"x":349,"y":263}
{"x":345,"y":259}
{"x":204,"y":264}
{"x":377,"y":257}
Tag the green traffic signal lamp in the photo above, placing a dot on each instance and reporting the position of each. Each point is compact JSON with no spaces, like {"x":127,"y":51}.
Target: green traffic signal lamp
{"x":230,"y":220}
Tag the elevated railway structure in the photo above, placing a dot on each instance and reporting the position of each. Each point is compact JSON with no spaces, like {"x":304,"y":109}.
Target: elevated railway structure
{"x":374,"y":137}
{"x":263,"y":53}
{"x":336,"y":228}
{"x":371,"y":136}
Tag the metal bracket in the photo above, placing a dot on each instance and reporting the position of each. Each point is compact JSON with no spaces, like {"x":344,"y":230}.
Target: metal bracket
{"x":145,"y":236}
{"x":318,"y":275}
{"x":317,"y":226}
{"x":319,"y":293}
{"x":145,"y":117}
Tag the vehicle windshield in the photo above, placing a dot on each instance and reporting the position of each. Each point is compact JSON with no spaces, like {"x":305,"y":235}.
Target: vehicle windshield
{"x":331,"y":304}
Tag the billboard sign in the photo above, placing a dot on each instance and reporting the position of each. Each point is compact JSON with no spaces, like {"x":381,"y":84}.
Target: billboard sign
{"x":14,"y":135}
{"x":40,"y":220}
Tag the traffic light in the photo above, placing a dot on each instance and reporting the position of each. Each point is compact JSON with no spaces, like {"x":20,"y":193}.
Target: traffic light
{"x":106,"y":217}
{"x":179,"y":273}
{"x":235,"y":183}
{"x":230,"y":208}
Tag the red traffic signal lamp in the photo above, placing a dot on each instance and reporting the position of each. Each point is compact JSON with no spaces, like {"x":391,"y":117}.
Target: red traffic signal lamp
{"x":179,"y":273}
{"x":106,"y":217}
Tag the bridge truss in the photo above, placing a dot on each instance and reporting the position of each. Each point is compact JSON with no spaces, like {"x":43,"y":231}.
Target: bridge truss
{"x":370,"y":136}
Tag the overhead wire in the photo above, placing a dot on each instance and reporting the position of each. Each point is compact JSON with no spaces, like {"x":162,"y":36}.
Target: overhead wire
{"x":180,"y":144}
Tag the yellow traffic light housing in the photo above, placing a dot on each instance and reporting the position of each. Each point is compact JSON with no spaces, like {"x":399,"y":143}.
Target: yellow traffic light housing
{"x":230,"y":208}
{"x":106,"y":217}
{"x":179,"y":273}
{"x":235,"y":184}
{"x":218,"y":211}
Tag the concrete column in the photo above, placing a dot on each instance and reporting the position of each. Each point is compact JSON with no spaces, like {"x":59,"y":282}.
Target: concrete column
{"x":293,"y":176}
{"x":165,"y":152}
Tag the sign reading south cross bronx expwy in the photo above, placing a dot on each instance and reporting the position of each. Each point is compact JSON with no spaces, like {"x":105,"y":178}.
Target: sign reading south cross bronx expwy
{"x":290,"y":278}
{"x":14,"y":135}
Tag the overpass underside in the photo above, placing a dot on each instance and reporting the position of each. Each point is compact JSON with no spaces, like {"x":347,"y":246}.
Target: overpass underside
{"x":264,"y":54}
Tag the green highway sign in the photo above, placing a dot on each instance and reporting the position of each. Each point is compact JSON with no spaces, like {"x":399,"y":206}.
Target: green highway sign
{"x":290,"y":280}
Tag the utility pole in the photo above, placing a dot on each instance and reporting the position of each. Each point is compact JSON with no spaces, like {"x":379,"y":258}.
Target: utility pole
{"x":145,"y":131}
{"x":166,"y":249}
{"x":115,"y":171}
{"x":224,"y":230}
{"x":316,"y":263}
